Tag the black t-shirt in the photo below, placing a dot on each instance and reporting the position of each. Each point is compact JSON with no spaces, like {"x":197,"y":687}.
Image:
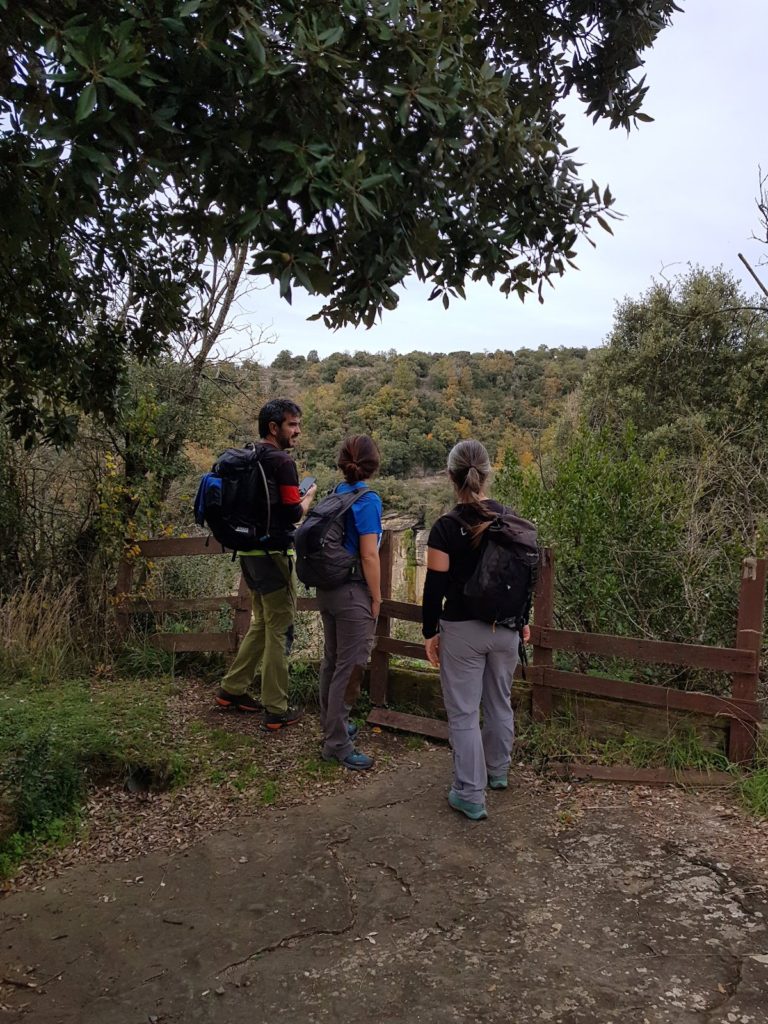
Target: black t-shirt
{"x":449,"y":536}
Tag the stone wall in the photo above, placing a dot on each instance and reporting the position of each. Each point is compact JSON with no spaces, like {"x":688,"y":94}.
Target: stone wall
{"x":409,"y":546}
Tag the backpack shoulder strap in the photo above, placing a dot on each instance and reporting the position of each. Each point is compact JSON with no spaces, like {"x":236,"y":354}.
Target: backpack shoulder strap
{"x":349,"y":499}
{"x":454,"y":515}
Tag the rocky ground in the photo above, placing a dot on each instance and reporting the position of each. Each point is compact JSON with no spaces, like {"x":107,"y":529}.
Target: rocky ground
{"x":370,"y":900}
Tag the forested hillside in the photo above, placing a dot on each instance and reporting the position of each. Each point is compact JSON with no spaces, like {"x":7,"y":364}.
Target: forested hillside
{"x":418,"y":405}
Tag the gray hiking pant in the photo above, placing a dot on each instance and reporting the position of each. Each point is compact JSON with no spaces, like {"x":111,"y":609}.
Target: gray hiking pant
{"x":476,"y":667}
{"x":348,"y":627}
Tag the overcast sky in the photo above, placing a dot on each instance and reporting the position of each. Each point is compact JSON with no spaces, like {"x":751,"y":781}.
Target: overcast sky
{"x":686,"y":184}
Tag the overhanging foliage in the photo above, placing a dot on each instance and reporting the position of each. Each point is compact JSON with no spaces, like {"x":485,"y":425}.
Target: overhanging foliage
{"x":351,"y":143}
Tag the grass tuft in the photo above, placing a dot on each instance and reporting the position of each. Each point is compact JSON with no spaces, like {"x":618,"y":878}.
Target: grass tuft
{"x":41,"y":634}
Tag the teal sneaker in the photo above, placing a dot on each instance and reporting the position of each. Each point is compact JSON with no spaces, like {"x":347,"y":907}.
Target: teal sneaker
{"x":473,"y":811}
{"x":352,"y":730}
{"x":357,"y":761}
{"x":498,"y":781}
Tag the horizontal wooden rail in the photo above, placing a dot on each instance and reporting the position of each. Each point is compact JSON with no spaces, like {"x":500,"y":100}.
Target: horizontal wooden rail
{"x":163,"y":605}
{"x":433,"y":727}
{"x":640,"y":776}
{"x":654,"y":696}
{"x":174,"y":547}
{"x":195,"y":641}
{"x":717,"y":659}
{"x":404,"y":648}
{"x":401,"y":610}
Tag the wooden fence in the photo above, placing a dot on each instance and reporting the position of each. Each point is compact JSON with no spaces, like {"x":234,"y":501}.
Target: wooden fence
{"x":741,"y":662}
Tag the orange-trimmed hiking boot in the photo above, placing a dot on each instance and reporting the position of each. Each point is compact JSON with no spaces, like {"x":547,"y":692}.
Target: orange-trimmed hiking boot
{"x":238,"y":701}
{"x":276,"y":720}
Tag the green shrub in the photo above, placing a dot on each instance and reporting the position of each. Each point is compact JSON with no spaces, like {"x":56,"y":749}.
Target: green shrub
{"x":53,"y":739}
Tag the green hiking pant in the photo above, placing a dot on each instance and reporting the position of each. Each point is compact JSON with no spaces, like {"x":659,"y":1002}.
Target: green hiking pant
{"x":268,"y":640}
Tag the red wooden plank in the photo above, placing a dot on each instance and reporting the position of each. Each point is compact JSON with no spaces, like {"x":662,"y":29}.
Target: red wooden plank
{"x":718,"y":659}
{"x":401,"y":647}
{"x":749,"y":633}
{"x":176,"y":604}
{"x":307,"y":604}
{"x":432,"y":727}
{"x":543,"y":616}
{"x":654,"y":696}
{"x":380,"y":657}
{"x":169,"y":547}
{"x":194,"y":641}
{"x":640,"y":776}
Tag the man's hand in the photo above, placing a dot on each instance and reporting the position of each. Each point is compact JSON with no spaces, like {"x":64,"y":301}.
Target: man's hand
{"x":375,"y":607}
{"x":432,"y":647}
{"x":306,"y":501}
{"x":526,"y":633}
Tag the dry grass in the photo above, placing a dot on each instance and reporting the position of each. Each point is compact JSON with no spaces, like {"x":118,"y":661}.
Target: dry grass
{"x":41,"y":636}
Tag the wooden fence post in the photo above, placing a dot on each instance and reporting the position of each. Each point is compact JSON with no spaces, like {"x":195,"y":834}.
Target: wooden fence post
{"x":543,"y":617}
{"x":749,"y":636}
{"x":123,"y":589}
{"x":380,"y":659}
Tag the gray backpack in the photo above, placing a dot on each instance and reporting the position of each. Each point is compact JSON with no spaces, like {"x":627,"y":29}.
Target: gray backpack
{"x":322,"y":561}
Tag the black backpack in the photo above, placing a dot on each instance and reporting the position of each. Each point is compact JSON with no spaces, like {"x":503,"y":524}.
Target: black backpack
{"x":500,"y":590}
{"x":322,"y":561}
{"x":234,"y":500}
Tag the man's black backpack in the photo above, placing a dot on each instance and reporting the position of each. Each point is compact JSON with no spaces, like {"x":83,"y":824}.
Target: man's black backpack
{"x":322,"y":561}
{"x":233,"y":500}
{"x":500,"y":590}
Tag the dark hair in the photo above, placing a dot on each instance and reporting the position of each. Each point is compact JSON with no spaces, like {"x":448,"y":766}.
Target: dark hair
{"x":275,"y":411}
{"x":469,"y":467}
{"x":358,"y":458}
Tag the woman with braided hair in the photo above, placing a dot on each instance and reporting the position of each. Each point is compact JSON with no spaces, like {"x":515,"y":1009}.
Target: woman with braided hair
{"x":476,"y":659}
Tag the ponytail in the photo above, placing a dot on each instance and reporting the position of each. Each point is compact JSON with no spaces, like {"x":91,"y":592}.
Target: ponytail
{"x":469,"y":468}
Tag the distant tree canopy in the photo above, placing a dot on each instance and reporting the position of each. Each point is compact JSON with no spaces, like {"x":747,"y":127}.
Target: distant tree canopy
{"x":351,"y":143}
{"x":417,"y":406}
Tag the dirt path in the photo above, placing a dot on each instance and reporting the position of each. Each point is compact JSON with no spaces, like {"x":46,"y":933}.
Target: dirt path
{"x":379,"y":905}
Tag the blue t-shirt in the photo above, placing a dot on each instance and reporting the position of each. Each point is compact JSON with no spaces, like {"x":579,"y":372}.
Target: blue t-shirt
{"x":363,"y":517}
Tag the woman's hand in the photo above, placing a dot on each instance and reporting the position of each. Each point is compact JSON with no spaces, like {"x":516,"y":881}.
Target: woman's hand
{"x":526,"y":633}
{"x":375,"y":607}
{"x":432,"y":647}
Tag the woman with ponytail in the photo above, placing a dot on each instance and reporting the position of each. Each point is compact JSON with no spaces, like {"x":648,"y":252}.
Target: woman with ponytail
{"x":476,"y":659}
{"x":349,"y":612}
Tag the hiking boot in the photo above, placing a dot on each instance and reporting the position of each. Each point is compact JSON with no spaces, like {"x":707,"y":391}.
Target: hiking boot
{"x":352,"y":730}
{"x":275,"y":720}
{"x":471,"y":810}
{"x":238,"y":701}
{"x":498,"y":781}
{"x":357,"y":761}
